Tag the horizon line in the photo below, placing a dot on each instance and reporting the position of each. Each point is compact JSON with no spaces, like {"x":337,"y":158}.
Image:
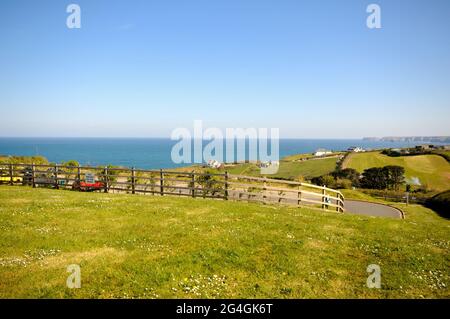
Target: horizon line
{"x":168,"y":138}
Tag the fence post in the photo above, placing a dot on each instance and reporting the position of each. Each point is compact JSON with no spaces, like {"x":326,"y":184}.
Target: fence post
{"x":264,"y":190}
{"x":133,"y":180}
{"x":105,"y":173}
{"x":338,"y":202}
{"x":56,"y":176}
{"x":11,"y":174}
{"x":161,"y":182}
{"x":193,"y":184}
{"x":323,"y":197}
{"x":226,"y":185}
{"x":299,"y":196}
{"x":79,"y":173}
{"x":32,"y":176}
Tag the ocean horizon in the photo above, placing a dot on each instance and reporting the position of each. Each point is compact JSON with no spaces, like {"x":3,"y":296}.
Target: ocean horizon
{"x":151,"y":153}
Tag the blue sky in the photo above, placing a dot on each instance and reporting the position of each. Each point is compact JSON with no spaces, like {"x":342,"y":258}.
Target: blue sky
{"x":143,"y":68}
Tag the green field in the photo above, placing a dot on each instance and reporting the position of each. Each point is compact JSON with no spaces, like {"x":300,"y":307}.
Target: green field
{"x":287,"y":170}
{"x":132,"y":246}
{"x":308,"y":169}
{"x":433,"y":171}
{"x":298,"y":157}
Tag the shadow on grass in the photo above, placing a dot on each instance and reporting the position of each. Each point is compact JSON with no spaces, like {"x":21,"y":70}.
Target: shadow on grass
{"x":440,"y":203}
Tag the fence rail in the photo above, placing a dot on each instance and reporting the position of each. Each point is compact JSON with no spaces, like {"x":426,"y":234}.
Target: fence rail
{"x":161,"y":182}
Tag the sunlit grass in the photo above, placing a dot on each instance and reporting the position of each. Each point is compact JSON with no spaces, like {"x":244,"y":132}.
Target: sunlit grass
{"x":131,"y":246}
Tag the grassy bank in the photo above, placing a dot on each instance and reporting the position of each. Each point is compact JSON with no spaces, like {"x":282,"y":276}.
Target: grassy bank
{"x":169,"y":247}
{"x":440,"y":203}
{"x":433,"y":171}
{"x":288,"y":169}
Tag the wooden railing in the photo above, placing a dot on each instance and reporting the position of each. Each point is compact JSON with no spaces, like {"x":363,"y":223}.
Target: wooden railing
{"x":161,"y":182}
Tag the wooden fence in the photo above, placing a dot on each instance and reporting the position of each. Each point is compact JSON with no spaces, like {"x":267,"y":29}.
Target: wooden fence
{"x":161,"y":182}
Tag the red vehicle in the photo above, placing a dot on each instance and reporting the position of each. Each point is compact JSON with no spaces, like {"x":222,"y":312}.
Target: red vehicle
{"x":89,"y":185}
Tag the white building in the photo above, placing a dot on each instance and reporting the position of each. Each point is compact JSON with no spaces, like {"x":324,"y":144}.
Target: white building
{"x":214,"y":164}
{"x":322,"y":152}
{"x":356,"y":149}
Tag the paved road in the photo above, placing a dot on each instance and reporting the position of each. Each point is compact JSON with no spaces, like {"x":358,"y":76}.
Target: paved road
{"x":371,"y":209}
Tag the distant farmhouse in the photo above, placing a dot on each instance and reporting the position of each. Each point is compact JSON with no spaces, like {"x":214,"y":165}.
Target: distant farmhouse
{"x":356,"y":149}
{"x":214,"y":164}
{"x":322,"y":152}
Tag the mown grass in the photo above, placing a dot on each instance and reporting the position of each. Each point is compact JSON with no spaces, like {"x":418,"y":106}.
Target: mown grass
{"x":433,"y":171}
{"x":288,"y":169}
{"x":307,"y":169}
{"x":131,"y":246}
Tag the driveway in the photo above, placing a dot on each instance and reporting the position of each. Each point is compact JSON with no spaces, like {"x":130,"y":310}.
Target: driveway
{"x":371,"y":209}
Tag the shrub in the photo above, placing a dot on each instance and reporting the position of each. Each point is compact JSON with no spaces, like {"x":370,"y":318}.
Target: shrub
{"x":342,"y":183}
{"x":348,"y":174}
{"x":440,"y":203}
{"x":209,"y":183}
{"x":327,"y":180}
{"x":299,"y":179}
{"x":24,"y":160}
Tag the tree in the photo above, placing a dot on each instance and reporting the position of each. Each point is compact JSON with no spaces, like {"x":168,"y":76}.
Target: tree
{"x":349,"y":174}
{"x":388,"y":177}
{"x":396,"y":176}
{"x":375,"y":178}
{"x":326,"y":180}
{"x":72,"y":163}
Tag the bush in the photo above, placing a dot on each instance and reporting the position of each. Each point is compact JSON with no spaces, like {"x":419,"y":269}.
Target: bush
{"x":342,"y":183}
{"x":440,"y":203}
{"x":209,"y":184}
{"x":299,"y":179}
{"x":70,"y":163}
{"x":23,"y":160}
{"x":327,"y":180}
{"x":349,"y":174}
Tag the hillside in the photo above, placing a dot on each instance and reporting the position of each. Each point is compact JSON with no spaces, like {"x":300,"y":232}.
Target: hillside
{"x":290,"y":168}
{"x":433,"y":171}
{"x":131,"y":246}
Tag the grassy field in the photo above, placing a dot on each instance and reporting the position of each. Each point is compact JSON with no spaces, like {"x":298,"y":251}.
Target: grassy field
{"x":131,"y":246}
{"x":432,"y":170}
{"x":289,"y":169}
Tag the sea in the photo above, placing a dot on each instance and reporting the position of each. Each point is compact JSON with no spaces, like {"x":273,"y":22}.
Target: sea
{"x":153,"y":153}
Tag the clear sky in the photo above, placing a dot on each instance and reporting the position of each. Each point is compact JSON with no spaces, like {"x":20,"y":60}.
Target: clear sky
{"x":143,"y":68}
